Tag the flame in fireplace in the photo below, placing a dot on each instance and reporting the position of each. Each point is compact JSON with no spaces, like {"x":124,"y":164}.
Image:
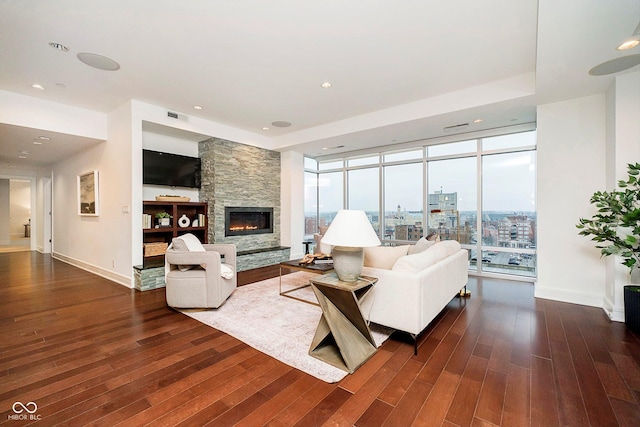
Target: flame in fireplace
{"x":244,"y":227}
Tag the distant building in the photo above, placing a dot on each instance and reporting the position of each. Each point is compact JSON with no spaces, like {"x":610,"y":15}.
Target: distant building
{"x":443,"y":201}
{"x":409,"y":232}
{"x":515,"y":231}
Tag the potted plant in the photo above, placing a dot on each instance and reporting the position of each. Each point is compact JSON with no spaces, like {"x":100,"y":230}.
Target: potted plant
{"x":616,"y":229}
{"x":164,"y":219}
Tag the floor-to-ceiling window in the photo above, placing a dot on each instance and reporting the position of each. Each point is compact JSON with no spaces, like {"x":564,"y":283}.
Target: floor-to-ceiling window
{"x":509,"y":205}
{"x":310,"y":197}
{"x":403,"y":210}
{"x":480,"y":192}
{"x":363,"y":188}
{"x":452,"y":198}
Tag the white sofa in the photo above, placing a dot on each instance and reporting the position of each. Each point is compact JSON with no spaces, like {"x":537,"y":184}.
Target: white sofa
{"x":414,"y":283}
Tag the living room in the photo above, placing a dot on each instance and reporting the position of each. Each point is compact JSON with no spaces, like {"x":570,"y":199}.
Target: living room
{"x":533,"y":69}
{"x":583,"y":144}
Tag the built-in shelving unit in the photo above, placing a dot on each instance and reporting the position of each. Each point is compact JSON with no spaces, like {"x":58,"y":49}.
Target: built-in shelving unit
{"x":153,"y":233}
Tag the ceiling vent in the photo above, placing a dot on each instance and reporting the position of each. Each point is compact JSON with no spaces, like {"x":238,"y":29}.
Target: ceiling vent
{"x":177,"y":116}
{"x":456,"y":127}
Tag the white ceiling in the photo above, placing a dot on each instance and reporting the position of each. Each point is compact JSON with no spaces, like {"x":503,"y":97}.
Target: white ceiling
{"x":400,"y":71}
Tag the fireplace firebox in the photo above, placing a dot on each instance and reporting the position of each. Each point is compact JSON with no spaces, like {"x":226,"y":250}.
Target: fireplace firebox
{"x":239,"y":221}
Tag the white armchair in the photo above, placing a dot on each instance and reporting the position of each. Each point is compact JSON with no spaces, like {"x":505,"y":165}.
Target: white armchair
{"x":199,"y":279}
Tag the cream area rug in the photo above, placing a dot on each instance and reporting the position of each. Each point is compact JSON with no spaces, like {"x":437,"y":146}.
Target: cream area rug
{"x":276,"y":325}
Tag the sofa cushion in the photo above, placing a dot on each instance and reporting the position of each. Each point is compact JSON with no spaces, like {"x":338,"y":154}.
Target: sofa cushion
{"x":383,"y":256}
{"x":418,"y":262}
{"x":420,"y":246}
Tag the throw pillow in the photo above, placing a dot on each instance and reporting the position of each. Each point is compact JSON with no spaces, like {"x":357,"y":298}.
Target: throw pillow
{"x":383,"y":256}
{"x":420,"y":246}
{"x":187,"y":242}
{"x":422,"y":260}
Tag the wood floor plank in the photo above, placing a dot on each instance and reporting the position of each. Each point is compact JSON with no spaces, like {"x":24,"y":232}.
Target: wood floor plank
{"x":435,"y":408}
{"x":544,"y":403}
{"x":408,"y":409}
{"x":375,"y":415}
{"x":491,"y":402}
{"x":517,"y":401}
{"x":467,"y":395}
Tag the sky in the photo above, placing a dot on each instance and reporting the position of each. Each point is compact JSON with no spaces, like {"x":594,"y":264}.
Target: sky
{"x":508,"y":179}
{"x":508,"y":184}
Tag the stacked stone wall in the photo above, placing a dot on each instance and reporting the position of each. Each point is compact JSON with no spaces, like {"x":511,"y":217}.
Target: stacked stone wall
{"x":235,"y":174}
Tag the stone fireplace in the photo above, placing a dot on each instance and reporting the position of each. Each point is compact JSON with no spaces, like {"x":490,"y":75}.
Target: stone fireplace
{"x":237,"y":182}
{"x":240,"y":221}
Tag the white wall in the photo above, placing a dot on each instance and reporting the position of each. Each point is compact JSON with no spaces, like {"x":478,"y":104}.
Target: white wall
{"x":623,"y":147}
{"x":571,"y":167}
{"x":41,"y":214}
{"x":5,"y":197}
{"x":37,"y":113}
{"x":20,"y":210}
{"x":292,"y":202}
{"x":100,"y":244}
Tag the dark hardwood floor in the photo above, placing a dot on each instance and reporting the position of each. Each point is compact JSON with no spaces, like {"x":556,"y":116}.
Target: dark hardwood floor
{"x":87,"y":351}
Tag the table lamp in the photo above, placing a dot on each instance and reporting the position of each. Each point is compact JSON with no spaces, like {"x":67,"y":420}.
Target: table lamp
{"x":349,"y":232}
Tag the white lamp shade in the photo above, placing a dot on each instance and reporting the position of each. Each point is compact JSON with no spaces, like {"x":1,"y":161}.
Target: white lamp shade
{"x":351,"y":228}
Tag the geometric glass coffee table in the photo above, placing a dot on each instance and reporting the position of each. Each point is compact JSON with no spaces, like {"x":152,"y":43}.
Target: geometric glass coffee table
{"x":320,"y":268}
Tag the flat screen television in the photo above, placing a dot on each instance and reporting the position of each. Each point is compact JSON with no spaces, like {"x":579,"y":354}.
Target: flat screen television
{"x":170,"y":169}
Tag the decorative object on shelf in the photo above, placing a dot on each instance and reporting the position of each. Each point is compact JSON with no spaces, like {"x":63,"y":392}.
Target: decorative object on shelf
{"x":170,"y":198}
{"x":349,"y":232}
{"x":88,"y":200}
{"x":616,"y":229}
{"x":164,"y":219}
{"x":195,"y":223}
{"x":183,"y":221}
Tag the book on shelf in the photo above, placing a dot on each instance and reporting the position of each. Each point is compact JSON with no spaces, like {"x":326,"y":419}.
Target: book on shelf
{"x":147,"y":221}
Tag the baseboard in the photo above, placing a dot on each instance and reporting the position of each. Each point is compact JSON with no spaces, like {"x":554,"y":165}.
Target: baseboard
{"x":591,"y":300}
{"x":110,"y":275}
{"x":615,"y":313}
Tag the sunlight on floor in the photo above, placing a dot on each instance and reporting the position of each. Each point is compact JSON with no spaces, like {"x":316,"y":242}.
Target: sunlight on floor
{"x":16,"y":245}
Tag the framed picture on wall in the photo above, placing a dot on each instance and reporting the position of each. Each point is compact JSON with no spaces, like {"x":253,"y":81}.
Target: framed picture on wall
{"x":88,"y":200}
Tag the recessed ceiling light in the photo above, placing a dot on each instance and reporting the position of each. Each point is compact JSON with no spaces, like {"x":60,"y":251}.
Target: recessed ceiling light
{"x":59,"y":47}
{"x":24,"y":152}
{"x":37,"y":86}
{"x":477,"y":121}
{"x":629,"y":44}
{"x":98,"y":61}
{"x":197,"y":107}
{"x":37,"y":142}
{"x":44,"y":138}
{"x":326,"y":85}
{"x":265,"y":128}
{"x":22,"y":157}
{"x":281,"y":124}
